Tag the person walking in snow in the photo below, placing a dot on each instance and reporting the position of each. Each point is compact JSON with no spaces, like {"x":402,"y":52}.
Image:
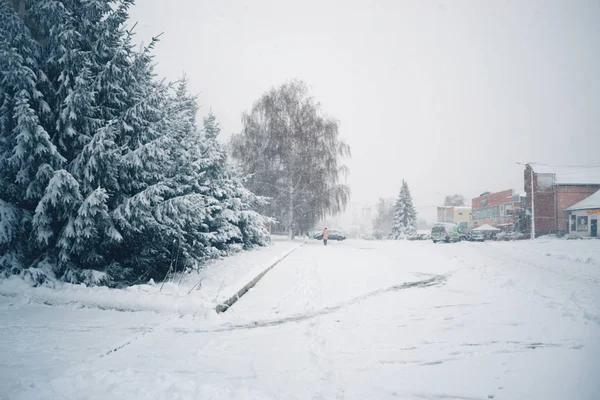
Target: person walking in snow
{"x":325,"y":236}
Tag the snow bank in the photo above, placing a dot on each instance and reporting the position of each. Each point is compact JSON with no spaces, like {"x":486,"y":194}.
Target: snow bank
{"x":191,"y":293}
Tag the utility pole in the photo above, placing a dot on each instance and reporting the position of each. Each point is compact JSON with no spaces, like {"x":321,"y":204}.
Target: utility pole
{"x":532,"y":201}
{"x":532,"y":206}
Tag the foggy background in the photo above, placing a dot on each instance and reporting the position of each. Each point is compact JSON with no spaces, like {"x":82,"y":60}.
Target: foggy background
{"x":447,"y":95}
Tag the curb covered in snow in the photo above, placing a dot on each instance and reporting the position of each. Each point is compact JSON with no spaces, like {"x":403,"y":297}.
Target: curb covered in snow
{"x":224,"y":305}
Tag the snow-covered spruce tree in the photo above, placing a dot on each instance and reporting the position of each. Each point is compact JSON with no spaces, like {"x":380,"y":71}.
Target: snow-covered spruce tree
{"x":104,"y":175}
{"x":405,"y":215}
{"x":397,"y":225}
{"x":27,"y":154}
{"x":236,"y":204}
{"x":162,"y":217}
{"x":198,"y":208}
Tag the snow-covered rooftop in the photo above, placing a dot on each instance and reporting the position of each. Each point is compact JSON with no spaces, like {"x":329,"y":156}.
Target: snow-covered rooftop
{"x":571,"y":175}
{"x":486,"y":227}
{"x":588,"y":203}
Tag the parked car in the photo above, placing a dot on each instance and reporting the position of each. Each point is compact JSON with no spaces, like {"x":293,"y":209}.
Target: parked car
{"x":420,"y":235}
{"x":445,"y":232}
{"x":334,"y":234}
{"x":314,"y":235}
{"x":478,"y":236}
{"x":464,"y":236}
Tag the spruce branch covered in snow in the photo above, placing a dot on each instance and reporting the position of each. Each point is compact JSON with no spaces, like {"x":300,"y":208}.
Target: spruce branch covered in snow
{"x":103,"y":166}
{"x":405,"y":215}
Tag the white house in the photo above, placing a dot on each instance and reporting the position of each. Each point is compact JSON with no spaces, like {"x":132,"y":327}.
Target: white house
{"x":584,"y":216}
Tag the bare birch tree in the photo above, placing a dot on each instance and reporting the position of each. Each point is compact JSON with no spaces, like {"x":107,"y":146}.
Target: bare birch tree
{"x":293,"y":153}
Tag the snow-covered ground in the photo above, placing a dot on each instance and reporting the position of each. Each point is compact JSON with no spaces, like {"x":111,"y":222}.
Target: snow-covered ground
{"x":353,"y":320}
{"x":192,"y":293}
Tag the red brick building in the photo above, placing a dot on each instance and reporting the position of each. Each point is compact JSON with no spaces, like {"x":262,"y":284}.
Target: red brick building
{"x":496,"y":209}
{"x":554,"y":192}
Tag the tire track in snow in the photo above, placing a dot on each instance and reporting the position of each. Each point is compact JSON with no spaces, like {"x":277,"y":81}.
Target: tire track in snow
{"x":434,"y":281}
{"x":127,"y":343}
{"x":144,"y":333}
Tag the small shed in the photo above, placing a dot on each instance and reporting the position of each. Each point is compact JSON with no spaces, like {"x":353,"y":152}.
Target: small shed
{"x":583,"y":216}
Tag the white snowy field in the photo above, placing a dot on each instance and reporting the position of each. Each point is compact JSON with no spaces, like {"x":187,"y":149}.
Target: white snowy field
{"x":353,"y":320}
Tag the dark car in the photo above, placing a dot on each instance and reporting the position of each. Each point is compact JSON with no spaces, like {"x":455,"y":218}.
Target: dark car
{"x":333,"y":235}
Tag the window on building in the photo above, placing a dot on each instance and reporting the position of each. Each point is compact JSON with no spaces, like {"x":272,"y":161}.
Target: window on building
{"x":582,"y":223}
{"x":484,"y":213}
{"x":460,"y":213}
{"x":545,"y":181}
{"x":573,"y":223}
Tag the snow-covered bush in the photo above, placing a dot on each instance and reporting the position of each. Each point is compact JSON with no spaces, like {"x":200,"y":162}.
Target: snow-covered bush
{"x":508,"y":236}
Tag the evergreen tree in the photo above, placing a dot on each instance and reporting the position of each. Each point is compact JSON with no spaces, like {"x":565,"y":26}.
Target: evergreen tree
{"x":234,"y":219}
{"x":104,"y":175}
{"x":27,"y":155}
{"x":405,"y":215}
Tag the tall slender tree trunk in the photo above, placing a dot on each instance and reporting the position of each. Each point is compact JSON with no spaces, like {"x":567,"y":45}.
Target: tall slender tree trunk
{"x":291,"y":210}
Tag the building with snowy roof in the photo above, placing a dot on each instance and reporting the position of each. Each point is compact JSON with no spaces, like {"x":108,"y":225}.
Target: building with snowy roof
{"x":497,"y":209}
{"x":555,"y":189}
{"x":584,"y":215}
{"x":454,"y":214}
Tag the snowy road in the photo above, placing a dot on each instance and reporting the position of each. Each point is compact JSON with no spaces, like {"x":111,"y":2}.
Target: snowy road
{"x":355,"y":320}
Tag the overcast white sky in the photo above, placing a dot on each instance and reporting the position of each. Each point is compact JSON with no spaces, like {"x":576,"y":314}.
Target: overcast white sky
{"x":445,"y":94}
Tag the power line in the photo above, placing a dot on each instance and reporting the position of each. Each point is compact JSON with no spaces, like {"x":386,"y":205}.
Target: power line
{"x":567,"y":165}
